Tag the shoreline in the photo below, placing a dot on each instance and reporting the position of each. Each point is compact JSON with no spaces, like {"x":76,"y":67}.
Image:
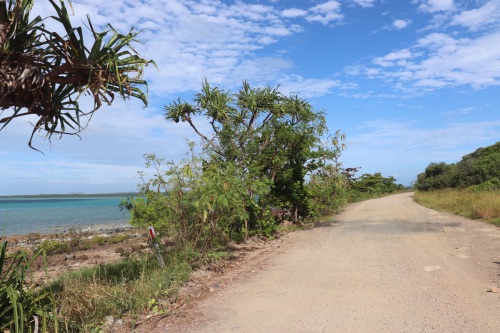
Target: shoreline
{"x":85,"y":231}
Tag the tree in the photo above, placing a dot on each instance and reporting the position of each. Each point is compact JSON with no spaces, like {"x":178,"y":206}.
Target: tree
{"x":481,"y":166}
{"x":375,"y":184}
{"x":44,"y":74}
{"x":264,"y":133}
{"x":479,"y":170}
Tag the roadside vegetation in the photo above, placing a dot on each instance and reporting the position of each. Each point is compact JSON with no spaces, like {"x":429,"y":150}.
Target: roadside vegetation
{"x":470,"y":188}
{"x":483,"y":205}
{"x":263,"y":160}
{"x":265,"y":168}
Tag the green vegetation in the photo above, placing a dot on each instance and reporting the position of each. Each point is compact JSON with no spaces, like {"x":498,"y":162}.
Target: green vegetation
{"x":250,"y":174}
{"x":263,"y":162}
{"x":76,"y":243}
{"x":44,"y":74}
{"x":22,"y":308}
{"x":266,"y":159}
{"x":368,"y":186}
{"x":479,"y":171}
{"x":469,"y":188}
{"x":255,"y":163}
{"x":483,"y":205}
{"x":125,"y":288}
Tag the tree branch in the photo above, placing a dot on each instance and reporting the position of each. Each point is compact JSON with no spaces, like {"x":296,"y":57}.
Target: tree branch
{"x":210,"y":142}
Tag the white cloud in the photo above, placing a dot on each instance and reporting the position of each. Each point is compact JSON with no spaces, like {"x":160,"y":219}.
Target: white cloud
{"x":464,"y":110}
{"x":307,"y":88}
{"x":439,"y":60}
{"x":364,"y":3}
{"x":294,"y":12}
{"x":400,"y":24}
{"x":474,"y":19}
{"x":433,"y":6}
{"x":325,"y":13}
{"x":392,"y":58}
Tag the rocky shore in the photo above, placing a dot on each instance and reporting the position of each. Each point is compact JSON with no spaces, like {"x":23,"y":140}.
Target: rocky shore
{"x":78,"y":247}
{"x":31,"y":239}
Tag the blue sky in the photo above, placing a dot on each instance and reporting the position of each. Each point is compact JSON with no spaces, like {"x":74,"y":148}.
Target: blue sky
{"x":408,"y":82}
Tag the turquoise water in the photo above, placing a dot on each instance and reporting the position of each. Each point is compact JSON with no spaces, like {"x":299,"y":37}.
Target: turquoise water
{"x":47,"y":215}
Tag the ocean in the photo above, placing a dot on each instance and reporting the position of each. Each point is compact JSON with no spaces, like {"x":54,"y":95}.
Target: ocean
{"x":58,"y":214}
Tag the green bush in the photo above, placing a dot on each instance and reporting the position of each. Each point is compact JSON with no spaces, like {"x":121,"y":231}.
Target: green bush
{"x":21,"y":305}
{"x":99,"y":240}
{"x":118,"y":238}
{"x":52,"y":246}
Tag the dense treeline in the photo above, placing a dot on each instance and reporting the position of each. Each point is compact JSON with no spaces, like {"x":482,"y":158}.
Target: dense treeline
{"x":479,"y":170}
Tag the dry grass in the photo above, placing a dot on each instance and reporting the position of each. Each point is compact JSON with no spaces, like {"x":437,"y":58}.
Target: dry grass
{"x":121,"y":290}
{"x":474,"y":205}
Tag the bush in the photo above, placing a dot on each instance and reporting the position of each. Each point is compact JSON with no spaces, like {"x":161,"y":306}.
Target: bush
{"x":21,"y":305}
{"x":51,"y":246}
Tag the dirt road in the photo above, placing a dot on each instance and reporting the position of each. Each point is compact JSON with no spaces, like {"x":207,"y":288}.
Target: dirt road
{"x":384,"y":265}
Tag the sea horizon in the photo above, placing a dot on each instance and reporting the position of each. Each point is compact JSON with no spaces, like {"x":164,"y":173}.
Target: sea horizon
{"x":55,"y":213}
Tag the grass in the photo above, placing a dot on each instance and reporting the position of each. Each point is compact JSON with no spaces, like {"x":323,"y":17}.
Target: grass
{"x":474,"y":205}
{"x":122,"y":290}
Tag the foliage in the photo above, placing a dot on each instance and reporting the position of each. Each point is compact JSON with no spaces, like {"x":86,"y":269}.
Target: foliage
{"x":375,"y":184}
{"x":328,"y":188}
{"x":267,"y":136}
{"x":77,"y":243}
{"x":437,"y":176}
{"x":473,"y":204}
{"x":480,"y":169}
{"x":43,"y":73}
{"x":52,"y":246}
{"x":127,"y":287}
{"x":22,"y":307}
{"x":195,"y":202}
{"x":481,"y":166}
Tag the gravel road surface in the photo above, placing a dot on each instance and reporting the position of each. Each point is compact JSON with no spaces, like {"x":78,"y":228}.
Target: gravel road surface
{"x":384,"y":265}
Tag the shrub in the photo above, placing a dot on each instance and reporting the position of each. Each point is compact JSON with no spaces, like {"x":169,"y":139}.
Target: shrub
{"x":22,"y":307}
{"x":51,"y":246}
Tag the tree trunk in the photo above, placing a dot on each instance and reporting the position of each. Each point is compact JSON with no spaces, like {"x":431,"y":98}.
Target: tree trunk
{"x":246,"y":230}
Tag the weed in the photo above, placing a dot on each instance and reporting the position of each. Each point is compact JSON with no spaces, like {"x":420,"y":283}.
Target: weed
{"x":118,"y":238}
{"x":99,"y":240}
{"x":52,"y":246}
{"x":127,"y":287}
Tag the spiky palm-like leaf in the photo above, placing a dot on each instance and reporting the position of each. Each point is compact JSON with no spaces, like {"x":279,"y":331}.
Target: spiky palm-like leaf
{"x":43,"y":73}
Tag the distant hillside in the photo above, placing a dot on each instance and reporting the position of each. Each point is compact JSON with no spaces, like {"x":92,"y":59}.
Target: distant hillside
{"x":480,"y":169}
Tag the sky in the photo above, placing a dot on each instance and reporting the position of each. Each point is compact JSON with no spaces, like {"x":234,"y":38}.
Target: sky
{"x":408,"y":82}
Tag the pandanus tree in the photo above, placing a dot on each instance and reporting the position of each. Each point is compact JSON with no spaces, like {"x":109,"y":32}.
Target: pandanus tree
{"x":267,"y":134}
{"x":44,"y":73}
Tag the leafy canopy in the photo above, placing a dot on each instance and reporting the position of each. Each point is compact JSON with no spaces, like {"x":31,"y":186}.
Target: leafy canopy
{"x":479,"y":169}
